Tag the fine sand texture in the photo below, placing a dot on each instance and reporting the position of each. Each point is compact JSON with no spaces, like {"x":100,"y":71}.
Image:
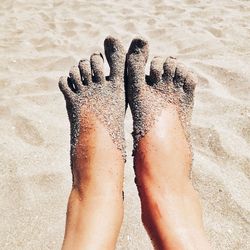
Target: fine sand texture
{"x":41,"y":40}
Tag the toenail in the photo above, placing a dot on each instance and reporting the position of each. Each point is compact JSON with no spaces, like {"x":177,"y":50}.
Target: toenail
{"x":137,"y":50}
{"x":140,"y":44}
{"x":84,"y":60}
{"x":98,"y":54}
{"x":114,"y":49}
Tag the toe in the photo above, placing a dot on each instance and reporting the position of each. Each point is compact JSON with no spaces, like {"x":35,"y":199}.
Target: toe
{"x":156,"y":69}
{"x":75,"y":78}
{"x":96,"y":61}
{"x":190,"y":82}
{"x":181,"y":73}
{"x":169,"y":68}
{"x":115,"y":54}
{"x":85,"y":71}
{"x":136,"y":61}
{"x":64,"y":87}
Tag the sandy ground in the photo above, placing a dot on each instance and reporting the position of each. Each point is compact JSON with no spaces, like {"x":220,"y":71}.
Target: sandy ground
{"x":41,"y":40}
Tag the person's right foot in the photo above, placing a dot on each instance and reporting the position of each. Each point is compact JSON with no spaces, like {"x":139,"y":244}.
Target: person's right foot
{"x":161,"y":106}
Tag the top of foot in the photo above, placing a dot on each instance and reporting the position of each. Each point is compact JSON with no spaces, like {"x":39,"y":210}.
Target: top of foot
{"x":168,"y":83}
{"x":87,"y":90}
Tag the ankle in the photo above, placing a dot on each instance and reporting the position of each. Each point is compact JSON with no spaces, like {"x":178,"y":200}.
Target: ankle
{"x":172,"y":217}
{"x":168,"y":195}
{"x":98,"y":190}
{"x":101,"y":178}
{"x":164,"y":182}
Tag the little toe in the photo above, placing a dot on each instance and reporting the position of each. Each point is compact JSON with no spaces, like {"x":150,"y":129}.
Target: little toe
{"x":181,"y":73}
{"x":85,"y":71}
{"x":75,"y":78}
{"x":96,"y":61}
{"x":156,"y":70}
{"x":190,"y":83}
{"x":169,"y":67}
{"x":115,"y":54}
{"x":136,"y":60}
{"x":64,"y":87}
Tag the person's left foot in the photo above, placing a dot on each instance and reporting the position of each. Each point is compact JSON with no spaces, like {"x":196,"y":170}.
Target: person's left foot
{"x":161,"y":105}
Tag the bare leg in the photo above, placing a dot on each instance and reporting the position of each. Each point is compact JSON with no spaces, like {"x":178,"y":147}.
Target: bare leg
{"x":161,"y":108}
{"x":96,"y":109}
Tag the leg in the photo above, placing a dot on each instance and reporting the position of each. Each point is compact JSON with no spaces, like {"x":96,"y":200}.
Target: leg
{"x":96,"y":109}
{"x":161,"y":108}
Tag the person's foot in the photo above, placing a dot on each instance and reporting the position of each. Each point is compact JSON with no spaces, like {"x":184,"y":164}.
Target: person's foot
{"x":169,"y":85}
{"x":96,"y":110}
{"x":88,"y":92}
{"x":161,"y":105}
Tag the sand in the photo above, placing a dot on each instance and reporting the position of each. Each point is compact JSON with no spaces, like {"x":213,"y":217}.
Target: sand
{"x":41,"y":40}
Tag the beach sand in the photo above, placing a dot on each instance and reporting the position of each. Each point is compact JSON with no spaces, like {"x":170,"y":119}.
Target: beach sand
{"x":41,"y":40}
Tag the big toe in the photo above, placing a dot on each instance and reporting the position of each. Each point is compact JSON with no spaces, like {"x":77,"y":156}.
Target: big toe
{"x":136,"y":60}
{"x":115,"y":54}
